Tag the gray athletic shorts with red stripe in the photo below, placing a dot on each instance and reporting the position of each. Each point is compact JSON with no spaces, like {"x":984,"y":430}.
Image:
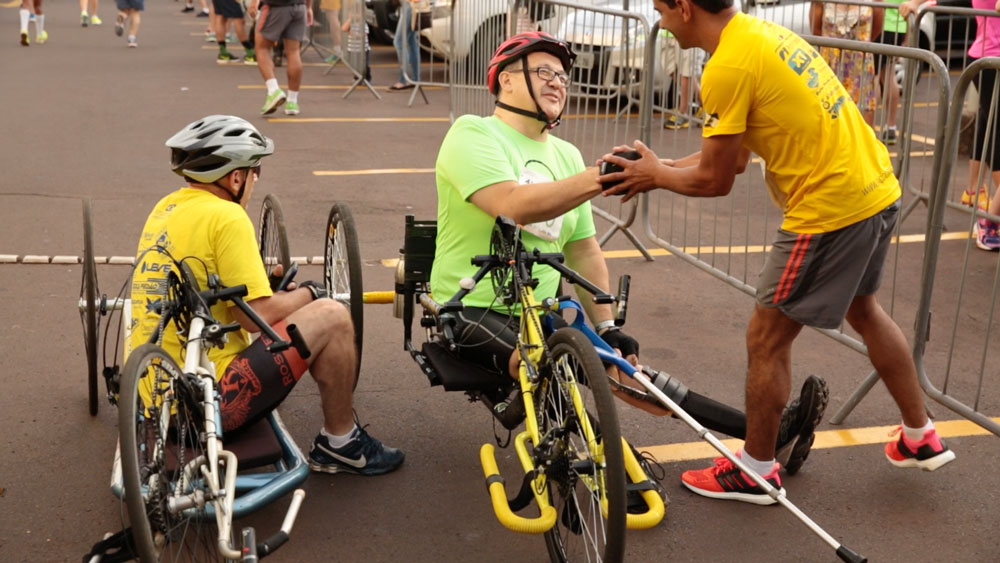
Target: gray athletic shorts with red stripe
{"x":813,"y":278}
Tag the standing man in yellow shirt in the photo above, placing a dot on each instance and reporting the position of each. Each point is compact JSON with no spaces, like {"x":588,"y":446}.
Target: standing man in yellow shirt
{"x":766,"y":90}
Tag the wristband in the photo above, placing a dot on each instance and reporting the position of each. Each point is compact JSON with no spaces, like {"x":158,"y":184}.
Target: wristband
{"x":604,"y":326}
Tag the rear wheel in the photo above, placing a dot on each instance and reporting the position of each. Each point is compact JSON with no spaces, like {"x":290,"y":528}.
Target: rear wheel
{"x":273,"y":238}
{"x":583,"y":472}
{"x":342,"y":271}
{"x":159,"y":434}
{"x":88,"y":306}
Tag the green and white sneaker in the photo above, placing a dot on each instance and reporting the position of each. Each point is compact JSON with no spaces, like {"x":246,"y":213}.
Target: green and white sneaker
{"x":273,"y":101}
{"x":84,"y":19}
{"x":291,"y":108}
{"x":223,"y":58}
{"x":249,"y":58}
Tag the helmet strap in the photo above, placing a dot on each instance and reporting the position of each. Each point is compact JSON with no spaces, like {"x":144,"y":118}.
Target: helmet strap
{"x":238,"y":195}
{"x":538,"y":113}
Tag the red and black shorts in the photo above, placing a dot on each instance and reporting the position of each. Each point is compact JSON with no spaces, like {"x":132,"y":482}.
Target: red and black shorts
{"x":813,"y":278}
{"x":256,"y":381}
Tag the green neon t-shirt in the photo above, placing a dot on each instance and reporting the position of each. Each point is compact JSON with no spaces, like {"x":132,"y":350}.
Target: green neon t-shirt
{"x":482,"y":151}
{"x":893,"y":21}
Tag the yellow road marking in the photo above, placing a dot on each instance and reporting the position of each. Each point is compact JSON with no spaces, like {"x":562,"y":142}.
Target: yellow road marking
{"x":687,"y":451}
{"x":698,"y":250}
{"x":10,"y":4}
{"x":377,"y":171}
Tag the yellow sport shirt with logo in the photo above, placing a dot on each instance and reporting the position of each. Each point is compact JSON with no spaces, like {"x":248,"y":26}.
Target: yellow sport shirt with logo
{"x":197,"y":224}
{"x":825,"y":168}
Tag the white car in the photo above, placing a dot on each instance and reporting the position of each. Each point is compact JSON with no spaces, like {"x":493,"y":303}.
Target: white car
{"x":604,"y":67}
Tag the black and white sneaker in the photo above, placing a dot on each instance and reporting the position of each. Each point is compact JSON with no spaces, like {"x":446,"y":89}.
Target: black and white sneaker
{"x":363,"y":455}
{"x":798,"y":424}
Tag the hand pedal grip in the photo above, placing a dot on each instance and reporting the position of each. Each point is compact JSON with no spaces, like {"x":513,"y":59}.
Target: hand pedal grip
{"x":299,"y":343}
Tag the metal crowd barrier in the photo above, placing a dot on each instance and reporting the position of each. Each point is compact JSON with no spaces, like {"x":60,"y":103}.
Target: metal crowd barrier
{"x":959,"y":356}
{"x":355,"y":47}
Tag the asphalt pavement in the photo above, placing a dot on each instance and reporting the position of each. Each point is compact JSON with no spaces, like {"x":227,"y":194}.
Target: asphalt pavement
{"x":84,"y":116}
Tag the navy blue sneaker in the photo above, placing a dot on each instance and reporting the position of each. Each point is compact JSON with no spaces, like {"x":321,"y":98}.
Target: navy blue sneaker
{"x":363,"y":455}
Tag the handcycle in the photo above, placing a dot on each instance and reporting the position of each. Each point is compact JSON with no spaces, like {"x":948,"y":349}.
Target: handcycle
{"x":442,"y":368}
{"x":576,"y":465}
{"x":176,"y":478}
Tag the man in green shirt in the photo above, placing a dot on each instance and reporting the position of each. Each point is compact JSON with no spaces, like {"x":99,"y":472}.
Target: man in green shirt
{"x":510,"y":164}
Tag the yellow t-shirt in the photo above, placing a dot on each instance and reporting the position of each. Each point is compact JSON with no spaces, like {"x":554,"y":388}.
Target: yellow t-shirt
{"x":195,"y":223}
{"x":825,"y":167}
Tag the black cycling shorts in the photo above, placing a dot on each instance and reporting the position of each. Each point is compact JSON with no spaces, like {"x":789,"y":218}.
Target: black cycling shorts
{"x":487,"y":338}
{"x":256,"y":381}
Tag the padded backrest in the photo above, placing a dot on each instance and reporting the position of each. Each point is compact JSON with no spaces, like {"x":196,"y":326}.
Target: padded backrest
{"x":419,"y":242}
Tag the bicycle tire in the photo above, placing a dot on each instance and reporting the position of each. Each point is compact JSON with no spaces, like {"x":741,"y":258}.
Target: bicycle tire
{"x":273,"y":239}
{"x":147,"y":475}
{"x":88,"y":314}
{"x":581,"y":532}
{"x":342,"y":271}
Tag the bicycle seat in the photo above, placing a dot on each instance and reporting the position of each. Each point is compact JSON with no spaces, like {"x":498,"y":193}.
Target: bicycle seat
{"x":254,"y":446}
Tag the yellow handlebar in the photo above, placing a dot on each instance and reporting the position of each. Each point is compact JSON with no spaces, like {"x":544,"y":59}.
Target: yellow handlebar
{"x":511,"y":521}
{"x":379,"y":297}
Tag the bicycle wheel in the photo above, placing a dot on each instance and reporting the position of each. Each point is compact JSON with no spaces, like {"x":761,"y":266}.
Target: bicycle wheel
{"x":88,"y":309}
{"x":342,"y":271}
{"x":159,"y":433}
{"x":582,"y":473}
{"x":273,"y":239}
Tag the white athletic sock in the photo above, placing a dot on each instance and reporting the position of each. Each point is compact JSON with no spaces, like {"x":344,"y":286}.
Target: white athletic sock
{"x":272,"y":86}
{"x":25,"y":14}
{"x":293,"y":96}
{"x":917,"y":434}
{"x":761,"y":467}
{"x":39,"y":24}
{"x":339,"y":441}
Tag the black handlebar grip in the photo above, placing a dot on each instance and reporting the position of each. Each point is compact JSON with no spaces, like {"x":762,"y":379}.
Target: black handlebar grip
{"x":609,"y":168}
{"x":624,"y":283}
{"x":298,"y":342}
{"x":271,"y":544}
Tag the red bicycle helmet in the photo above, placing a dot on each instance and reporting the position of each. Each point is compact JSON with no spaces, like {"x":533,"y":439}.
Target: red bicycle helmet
{"x":520,"y":46}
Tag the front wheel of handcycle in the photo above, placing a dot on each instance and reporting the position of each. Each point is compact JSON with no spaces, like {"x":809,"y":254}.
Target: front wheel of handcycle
{"x":580,"y":432}
{"x":159,"y":435}
{"x":342,"y":272}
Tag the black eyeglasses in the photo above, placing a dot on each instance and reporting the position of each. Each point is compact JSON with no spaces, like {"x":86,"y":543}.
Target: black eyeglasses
{"x":547,"y":74}
{"x":256,"y":170}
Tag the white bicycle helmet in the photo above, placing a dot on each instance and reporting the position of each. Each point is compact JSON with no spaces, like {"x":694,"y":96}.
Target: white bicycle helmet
{"x":214,"y":146}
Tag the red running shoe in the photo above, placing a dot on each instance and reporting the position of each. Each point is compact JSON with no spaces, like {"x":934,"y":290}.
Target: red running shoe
{"x":724,"y":480}
{"x":928,"y":454}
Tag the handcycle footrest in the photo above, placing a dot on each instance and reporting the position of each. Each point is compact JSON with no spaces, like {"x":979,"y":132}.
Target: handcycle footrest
{"x":458,"y":375}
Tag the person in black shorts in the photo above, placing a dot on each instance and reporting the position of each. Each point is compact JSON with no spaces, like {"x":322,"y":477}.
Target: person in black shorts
{"x":206,"y":224}
{"x":226,"y":12}
{"x":284,"y":21}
